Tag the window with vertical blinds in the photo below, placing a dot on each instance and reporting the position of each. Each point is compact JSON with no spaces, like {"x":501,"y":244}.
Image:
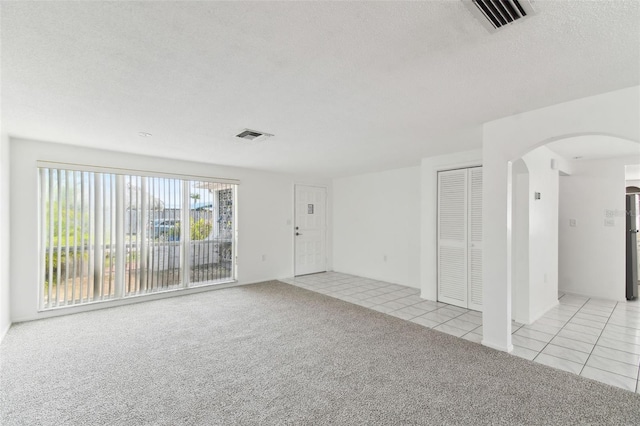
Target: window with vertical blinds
{"x":107,"y":236}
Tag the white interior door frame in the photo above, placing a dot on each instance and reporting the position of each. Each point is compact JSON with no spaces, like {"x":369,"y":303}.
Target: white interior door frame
{"x":322,"y":267}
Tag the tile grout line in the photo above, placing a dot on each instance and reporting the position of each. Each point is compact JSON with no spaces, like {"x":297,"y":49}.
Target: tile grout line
{"x":453,"y":325}
{"x":637,"y":380}
{"x":599,"y":336}
{"x":562,"y":328}
{"x":611,"y":372}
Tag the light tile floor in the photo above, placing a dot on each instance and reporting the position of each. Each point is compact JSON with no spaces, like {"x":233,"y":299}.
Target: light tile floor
{"x":598,"y":339}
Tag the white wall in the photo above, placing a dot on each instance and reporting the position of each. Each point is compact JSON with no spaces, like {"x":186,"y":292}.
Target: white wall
{"x":635,"y":183}
{"x":376,"y":229}
{"x":632,"y":172}
{"x":543,"y":232}
{"x":505,"y":140}
{"x":5,"y":306}
{"x":592,"y":254}
{"x":265,"y":215}
{"x":520,"y":291}
{"x":429,"y":213}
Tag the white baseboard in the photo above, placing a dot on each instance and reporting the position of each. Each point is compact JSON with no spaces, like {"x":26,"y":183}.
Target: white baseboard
{"x":69,"y":310}
{"x":591,"y":295}
{"x":4,"y":332}
{"x":537,"y":315}
{"x":497,"y":347}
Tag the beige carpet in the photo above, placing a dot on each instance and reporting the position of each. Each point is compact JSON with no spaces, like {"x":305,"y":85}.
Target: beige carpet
{"x":276,"y":354}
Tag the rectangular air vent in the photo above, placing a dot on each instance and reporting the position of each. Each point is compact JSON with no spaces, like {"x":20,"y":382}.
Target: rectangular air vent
{"x":253,"y":135}
{"x":495,"y":14}
{"x":249,"y":135}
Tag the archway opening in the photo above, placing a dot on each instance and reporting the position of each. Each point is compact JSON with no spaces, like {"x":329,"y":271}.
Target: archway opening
{"x":568,"y":221}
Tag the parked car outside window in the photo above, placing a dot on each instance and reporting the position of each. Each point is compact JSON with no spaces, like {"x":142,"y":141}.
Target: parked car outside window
{"x":166,"y":229}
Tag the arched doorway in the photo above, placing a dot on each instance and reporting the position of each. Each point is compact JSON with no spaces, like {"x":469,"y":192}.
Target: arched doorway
{"x":504,"y":141}
{"x":567,"y":222}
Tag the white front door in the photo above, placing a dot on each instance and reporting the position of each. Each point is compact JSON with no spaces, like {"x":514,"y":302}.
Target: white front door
{"x":310,"y":229}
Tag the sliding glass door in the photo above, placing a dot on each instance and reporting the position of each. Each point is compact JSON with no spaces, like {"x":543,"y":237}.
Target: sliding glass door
{"x":106,"y":236}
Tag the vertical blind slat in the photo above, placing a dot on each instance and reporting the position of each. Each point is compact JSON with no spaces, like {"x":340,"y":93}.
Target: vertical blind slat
{"x":91,"y":242}
{"x":60,"y":285}
{"x":144,"y":207}
{"x":130,"y":246}
{"x":43,"y":233}
{"x":50,"y":241}
{"x":113,"y":247}
{"x":66,"y":234}
{"x":139,"y":230}
{"x":98,"y":246}
{"x":165,"y":237}
{"x":119,"y":239}
{"x":82,"y":231}
{"x":153,"y":234}
{"x":75,"y":232}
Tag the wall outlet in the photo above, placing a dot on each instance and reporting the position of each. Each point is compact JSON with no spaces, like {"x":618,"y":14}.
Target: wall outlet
{"x":572,"y":222}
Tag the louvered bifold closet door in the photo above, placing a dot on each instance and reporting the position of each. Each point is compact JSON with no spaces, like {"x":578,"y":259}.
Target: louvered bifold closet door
{"x":452,"y":237}
{"x":475,"y":238}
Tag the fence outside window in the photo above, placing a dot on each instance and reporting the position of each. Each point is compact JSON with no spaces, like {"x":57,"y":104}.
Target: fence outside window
{"x":106,"y":236}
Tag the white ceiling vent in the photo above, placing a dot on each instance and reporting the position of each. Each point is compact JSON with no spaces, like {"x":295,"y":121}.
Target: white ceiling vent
{"x":253,"y":135}
{"x":495,"y":14}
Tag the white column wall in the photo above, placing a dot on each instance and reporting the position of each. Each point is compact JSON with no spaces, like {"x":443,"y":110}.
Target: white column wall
{"x":5,"y":306}
{"x":520,"y":293}
{"x":543,"y":232}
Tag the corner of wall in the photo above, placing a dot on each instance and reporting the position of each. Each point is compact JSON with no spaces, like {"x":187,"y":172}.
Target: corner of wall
{"x":3,"y":332}
{"x":535,"y":316}
{"x":5,"y":305}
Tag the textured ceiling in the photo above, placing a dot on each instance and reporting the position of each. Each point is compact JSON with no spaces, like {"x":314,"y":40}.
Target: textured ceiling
{"x":346,"y":87}
{"x":594,"y":147}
